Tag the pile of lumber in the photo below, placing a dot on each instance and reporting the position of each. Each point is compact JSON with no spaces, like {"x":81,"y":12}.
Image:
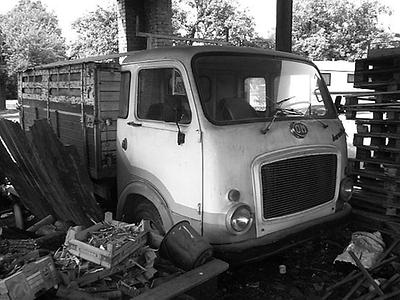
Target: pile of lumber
{"x":376,"y":167}
{"x":48,"y":177}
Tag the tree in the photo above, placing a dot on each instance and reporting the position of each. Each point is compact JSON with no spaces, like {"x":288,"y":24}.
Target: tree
{"x":31,"y":36}
{"x":3,"y":76}
{"x":336,"y":29}
{"x":97,"y":33}
{"x":212,"y":19}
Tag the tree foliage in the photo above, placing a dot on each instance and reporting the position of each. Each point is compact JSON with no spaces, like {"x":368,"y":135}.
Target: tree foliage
{"x":31,"y":36}
{"x":97,"y":33}
{"x":336,"y":29}
{"x":213,"y":19}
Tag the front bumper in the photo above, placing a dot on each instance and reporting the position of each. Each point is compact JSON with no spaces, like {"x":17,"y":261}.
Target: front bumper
{"x":270,"y":244}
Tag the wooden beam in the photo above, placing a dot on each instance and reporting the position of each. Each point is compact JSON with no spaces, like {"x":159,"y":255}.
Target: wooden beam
{"x":186,"y":281}
{"x":283,"y":35}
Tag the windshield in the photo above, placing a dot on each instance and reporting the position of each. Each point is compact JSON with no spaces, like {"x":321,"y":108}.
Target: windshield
{"x":251,"y":88}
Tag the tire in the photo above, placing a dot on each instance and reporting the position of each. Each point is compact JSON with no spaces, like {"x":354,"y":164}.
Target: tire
{"x":144,"y":210}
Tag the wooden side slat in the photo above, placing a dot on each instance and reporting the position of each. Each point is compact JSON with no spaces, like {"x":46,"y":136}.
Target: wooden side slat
{"x":110,"y":76}
{"x":109,"y":86}
{"x":109,"y":96}
{"x":109,"y":135}
{"x":109,"y":106}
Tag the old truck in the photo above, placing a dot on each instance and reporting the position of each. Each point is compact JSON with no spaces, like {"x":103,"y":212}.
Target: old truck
{"x":244,"y":143}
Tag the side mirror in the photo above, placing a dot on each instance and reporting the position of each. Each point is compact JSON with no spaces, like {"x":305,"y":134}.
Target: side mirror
{"x":175,"y":114}
{"x":338,"y":105}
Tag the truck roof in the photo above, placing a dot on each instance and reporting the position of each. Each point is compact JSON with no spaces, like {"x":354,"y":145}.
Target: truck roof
{"x":179,"y":53}
{"x":186,"y":53}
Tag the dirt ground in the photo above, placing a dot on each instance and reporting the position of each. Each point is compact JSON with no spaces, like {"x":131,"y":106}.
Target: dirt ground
{"x":309,"y":271}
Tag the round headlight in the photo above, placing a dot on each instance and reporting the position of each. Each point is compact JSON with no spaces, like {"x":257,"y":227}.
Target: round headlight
{"x":239,"y":218}
{"x":346,"y":189}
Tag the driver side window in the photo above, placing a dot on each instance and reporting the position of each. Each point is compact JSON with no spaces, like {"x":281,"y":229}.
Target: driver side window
{"x":162,"y":96}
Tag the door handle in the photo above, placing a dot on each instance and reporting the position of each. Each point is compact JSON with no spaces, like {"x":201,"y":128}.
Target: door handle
{"x":131,"y":123}
{"x":124,"y":144}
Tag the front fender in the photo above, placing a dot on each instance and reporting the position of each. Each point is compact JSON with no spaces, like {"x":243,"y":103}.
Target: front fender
{"x":148,"y":191}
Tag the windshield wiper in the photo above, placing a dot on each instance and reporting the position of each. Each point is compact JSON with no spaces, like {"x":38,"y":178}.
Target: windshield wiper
{"x":280,"y":111}
{"x":284,"y":100}
{"x":268,"y":126}
{"x":296,"y":112}
{"x":290,"y":111}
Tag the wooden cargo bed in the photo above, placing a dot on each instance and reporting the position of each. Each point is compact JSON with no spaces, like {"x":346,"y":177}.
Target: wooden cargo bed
{"x":81,"y":102}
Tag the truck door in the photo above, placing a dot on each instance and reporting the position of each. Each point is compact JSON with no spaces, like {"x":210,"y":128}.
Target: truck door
{"x":161,"y":137}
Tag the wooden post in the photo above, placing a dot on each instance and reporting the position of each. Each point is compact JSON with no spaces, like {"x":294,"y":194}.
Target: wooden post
{"x":283,"y":34}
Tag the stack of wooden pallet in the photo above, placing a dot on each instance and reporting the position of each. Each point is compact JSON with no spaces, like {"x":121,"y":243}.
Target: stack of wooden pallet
{"x":376,"y":167}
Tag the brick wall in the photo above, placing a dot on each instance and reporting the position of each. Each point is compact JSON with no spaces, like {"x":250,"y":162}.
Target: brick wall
{"x":154,"y":17}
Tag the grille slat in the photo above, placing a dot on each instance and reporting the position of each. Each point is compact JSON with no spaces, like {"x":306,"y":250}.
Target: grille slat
{"x":297,"y":184}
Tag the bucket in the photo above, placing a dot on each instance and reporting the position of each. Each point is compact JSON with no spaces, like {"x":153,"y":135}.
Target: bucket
{"x":183,"y":246}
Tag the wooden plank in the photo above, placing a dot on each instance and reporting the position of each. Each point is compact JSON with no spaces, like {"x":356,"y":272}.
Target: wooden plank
{"x":379,"y":71}
{"x":38,"y":97}
{"x":59,"y":106}
{"x":375,"y":85}
{"x":379,"y":148}
{"x":109,"y":136}
{"x":379,"y":190}
{"x":376,"y":199}
{"x":68,"y":174}
{"x":109,"y":86}
{"x":379,"y":122}
{"x":377,"y":161}
{"x":375,"y":175}
{"x":87,"y":60}
{"x":113,"y":115}
{"x":109,"y":96}
{"x":373,"y":105}
{"x":391,"y":108}
{"x":378,"y":135}
{"x":109,"y":76}
{"x":112,"y":127}
{"x":186,"y":281}
{"x":109,"y":106}
{"x":65,"y":84}
{"x":375,"y":93}
{"x":108,"y":145}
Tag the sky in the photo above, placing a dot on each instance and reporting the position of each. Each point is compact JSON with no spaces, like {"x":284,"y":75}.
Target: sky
{"x":263,"y":12}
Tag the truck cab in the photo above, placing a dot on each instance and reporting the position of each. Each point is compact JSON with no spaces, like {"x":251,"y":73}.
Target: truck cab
{"x":244,"y":143}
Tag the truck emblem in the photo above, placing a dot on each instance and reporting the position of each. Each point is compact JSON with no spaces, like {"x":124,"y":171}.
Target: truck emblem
{"x":299,"y":130}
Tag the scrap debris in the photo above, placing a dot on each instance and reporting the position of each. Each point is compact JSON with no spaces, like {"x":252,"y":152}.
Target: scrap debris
{"x":367,"y":246}
{"x":376,"y":275}
{"x":109,"y":260}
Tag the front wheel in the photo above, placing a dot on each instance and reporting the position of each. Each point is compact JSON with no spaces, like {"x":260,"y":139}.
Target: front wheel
{"x":144,"y":210}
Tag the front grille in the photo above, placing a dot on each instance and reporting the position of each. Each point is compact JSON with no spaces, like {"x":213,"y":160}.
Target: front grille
{"x":297,"y":184}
